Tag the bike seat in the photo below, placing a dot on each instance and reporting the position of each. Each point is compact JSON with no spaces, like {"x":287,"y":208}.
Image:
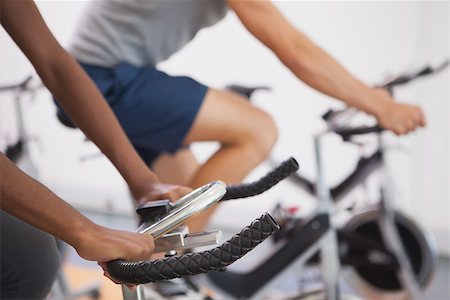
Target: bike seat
{"x":65,"y":120}
{"x":246,"y":91}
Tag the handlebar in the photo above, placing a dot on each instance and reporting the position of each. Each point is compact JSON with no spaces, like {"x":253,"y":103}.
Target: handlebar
{"x":217,"y":258}
{"x":189,"y":205}
{"x":347,"y":132}
{"x":245,"y":190}
{"x":22,"y":85}
{"x":195,"y":263}
{"x":408,"y":77}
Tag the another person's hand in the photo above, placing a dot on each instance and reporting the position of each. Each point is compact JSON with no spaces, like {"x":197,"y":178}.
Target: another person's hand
{"x":397,"y":117}
{"x":151,"y":190}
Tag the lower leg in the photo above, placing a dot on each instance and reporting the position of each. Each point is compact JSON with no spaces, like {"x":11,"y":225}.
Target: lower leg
{"x":178,"y":168}
{"x":246,"y":134}
{"x":227,"y":164}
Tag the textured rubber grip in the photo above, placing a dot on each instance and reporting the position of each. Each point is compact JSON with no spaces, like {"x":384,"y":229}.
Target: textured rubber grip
{"x":197,"y":262}
{"x":285,"y":169}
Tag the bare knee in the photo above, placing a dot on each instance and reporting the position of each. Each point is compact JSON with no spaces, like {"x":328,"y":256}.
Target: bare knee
{"x":261,"y":136}
{"x":231,"y":120}
{"x":258,"y":131}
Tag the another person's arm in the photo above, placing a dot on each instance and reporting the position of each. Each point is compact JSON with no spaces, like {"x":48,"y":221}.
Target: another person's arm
{"x":28,"y":200}
{"x":80,"y":98}
{"x":319,"y":70}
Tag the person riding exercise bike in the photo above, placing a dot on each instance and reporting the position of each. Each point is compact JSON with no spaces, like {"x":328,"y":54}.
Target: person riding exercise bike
{"x":120,"y":42}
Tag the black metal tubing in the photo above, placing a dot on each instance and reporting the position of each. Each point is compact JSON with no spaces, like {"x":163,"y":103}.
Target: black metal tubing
{"x":244,"y":285}
{"x":304,"y":183}
{"x":365,"y":167}
{"x":22,"y":85}
{"x":246,"y":91}
{"x":347,"y":132}
{"x":407,"y":78}
{"x":15,"y":151}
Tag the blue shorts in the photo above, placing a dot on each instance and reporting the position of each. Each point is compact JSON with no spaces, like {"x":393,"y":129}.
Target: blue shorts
{"x":156,"y":110}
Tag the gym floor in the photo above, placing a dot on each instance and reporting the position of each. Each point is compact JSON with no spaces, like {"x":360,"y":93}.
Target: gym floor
{"x":81,"y":273}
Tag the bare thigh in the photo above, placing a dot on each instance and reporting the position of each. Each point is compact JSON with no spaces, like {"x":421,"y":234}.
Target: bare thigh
{"x":228,"y":118}
{"x":246,"y":134}
{"x":224,"y":117}
{"x":178,"y":168}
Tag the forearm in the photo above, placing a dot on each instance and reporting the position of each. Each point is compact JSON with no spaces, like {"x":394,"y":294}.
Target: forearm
{"x":28,"y":200}
{"x":305,"y":59}
{"x":74,"y":90}
{"x":86,"y":107}
{"x":319,"y":70}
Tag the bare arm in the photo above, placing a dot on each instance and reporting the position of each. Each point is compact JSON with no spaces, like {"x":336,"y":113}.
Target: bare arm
{"x":318,"y":69}
{"x":26,"y":199}
{"x":79,"y":97}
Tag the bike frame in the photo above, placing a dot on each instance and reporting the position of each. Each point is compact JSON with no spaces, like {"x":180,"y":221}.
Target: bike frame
{"x":364,"y":168}
{"x":317,"y":234}
{"x":19,"y":152}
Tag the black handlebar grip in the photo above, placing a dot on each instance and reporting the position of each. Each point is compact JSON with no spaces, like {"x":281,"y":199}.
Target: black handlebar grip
{"x":326,"y":116}
{"x":285,"y":169}
{"x":197,"y":262}
{"x":346,"y":133}
{"x":408,"y":77}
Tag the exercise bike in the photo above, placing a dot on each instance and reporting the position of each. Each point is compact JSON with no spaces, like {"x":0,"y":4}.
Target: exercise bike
{"x":388,"y":254}
{"x":163,"y":220}
{"x":19,"y":151}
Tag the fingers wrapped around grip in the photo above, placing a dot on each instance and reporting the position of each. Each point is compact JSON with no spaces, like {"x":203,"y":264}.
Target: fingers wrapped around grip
{"x":244,"y":190}
{"x":198,"y":262}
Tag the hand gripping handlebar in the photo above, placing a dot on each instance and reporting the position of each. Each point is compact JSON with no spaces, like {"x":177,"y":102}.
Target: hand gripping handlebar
{"x":217,"y":258}
{"x":347,"y":132}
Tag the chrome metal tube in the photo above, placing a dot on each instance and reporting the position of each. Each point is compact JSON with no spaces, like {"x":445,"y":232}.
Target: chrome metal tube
{"x":188,"y":206}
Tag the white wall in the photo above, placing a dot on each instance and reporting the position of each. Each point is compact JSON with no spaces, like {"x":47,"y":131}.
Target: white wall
{"x":369,"y":38}
{"x":430,"y":152}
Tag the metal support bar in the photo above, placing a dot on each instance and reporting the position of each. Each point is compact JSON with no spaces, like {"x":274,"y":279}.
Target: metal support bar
{"x":329,"y":252}
{"x":392,"y":238}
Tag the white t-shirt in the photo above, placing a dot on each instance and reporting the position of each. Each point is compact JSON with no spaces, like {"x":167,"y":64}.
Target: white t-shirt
{"x":140,"y":32}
